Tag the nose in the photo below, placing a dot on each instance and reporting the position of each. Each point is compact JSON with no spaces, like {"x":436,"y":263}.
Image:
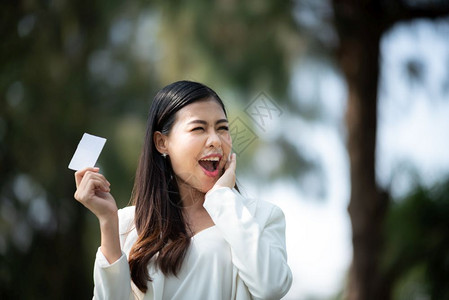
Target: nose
{"x":213,"y":140}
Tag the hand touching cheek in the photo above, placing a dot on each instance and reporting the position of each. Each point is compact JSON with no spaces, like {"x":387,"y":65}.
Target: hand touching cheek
{"x":228,"y":177}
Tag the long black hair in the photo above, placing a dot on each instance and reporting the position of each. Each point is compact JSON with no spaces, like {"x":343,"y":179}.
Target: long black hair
{"x":158,"y":217}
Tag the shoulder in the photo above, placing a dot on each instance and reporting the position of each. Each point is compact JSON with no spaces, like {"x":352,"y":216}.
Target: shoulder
{"x":263,"y":205}
{"x":126,"y":219}
{"x":265,"y":212}
{"x":268,"y":210}
{"x":220,"y":199}
{"x":261,"y":209}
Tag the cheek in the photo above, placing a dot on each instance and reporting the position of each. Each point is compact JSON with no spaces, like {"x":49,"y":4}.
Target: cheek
{"x":183,"y":154}
{"x":226,"y":142}
{"x":183,"y":145}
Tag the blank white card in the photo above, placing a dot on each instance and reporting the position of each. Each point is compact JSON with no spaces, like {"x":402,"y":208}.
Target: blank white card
{"x":87,"y":152}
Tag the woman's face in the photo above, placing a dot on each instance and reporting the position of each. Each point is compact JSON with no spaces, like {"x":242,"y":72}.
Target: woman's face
{"x":199,"y":144}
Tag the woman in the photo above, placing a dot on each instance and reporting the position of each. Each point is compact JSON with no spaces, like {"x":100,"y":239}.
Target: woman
{"x":189,"y":233}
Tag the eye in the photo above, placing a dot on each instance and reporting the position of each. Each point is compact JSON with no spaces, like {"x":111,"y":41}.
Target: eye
{"x":197,"y":129}
{"x":225,"y":128}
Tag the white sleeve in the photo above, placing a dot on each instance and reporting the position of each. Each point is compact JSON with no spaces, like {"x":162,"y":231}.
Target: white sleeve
{"x":258,"y":250}
{"x":112,"y":281}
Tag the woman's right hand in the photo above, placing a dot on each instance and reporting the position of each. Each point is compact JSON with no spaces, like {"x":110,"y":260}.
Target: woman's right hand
{"x":93,"y":191}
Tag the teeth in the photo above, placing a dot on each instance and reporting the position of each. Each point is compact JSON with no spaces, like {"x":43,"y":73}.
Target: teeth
{"x":211,"y":159}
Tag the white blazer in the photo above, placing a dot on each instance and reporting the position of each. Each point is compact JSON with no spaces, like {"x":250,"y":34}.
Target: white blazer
{"x":254,"y":230}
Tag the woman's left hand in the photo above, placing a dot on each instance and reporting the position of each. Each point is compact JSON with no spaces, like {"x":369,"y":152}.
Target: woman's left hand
{"x":228,"y":177}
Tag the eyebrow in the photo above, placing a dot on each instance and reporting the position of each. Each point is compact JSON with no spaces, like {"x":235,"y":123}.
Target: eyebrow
{"x":205,"y":123}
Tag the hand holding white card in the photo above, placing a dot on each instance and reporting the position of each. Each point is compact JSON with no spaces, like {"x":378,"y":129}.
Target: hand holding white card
{"x":87,"y":152}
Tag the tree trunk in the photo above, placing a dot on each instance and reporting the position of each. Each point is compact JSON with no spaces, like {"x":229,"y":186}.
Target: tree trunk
{"x":367,"y":207}
{"x":359,"y":60}
{"x":360,"y":25}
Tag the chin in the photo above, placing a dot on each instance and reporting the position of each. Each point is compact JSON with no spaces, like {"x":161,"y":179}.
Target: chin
{"x":206,"y":188}
{"x":204,"y":183}
{"x":207,"y":184}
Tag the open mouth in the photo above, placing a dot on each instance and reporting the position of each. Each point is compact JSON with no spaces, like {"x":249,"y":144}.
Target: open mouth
{"x":209,"y":164}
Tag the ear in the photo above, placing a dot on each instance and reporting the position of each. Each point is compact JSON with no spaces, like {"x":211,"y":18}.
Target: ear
{"x":160,"y":142}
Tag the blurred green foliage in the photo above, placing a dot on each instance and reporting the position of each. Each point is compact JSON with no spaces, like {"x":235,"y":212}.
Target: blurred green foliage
{"x":417,"y":244}
{"x":69,"y":67}
{"x":58,"y":80}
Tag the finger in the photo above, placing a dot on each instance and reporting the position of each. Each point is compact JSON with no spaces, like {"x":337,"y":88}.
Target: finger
{"x":232,"y":163}
{"x":228,"y":161}
{"x":88,"y":188}
{"x":80,"y":174}
{"x":94,"y":175}
{"x":228,"y":177}
{"x":94,"y":180}
{"x":90,"y":176}
{"x":102,"y":186}
{"x":91,"y":181}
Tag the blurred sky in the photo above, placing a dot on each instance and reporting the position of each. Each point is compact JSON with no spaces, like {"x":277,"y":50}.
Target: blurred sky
{"x":413,"y":135}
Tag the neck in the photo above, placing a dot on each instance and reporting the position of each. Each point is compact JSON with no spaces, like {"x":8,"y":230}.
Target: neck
{"x":192,"y":199}
{"x":195,"y":215}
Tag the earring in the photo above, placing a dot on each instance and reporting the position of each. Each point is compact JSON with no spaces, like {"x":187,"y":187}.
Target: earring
{"x":164,"y":155}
